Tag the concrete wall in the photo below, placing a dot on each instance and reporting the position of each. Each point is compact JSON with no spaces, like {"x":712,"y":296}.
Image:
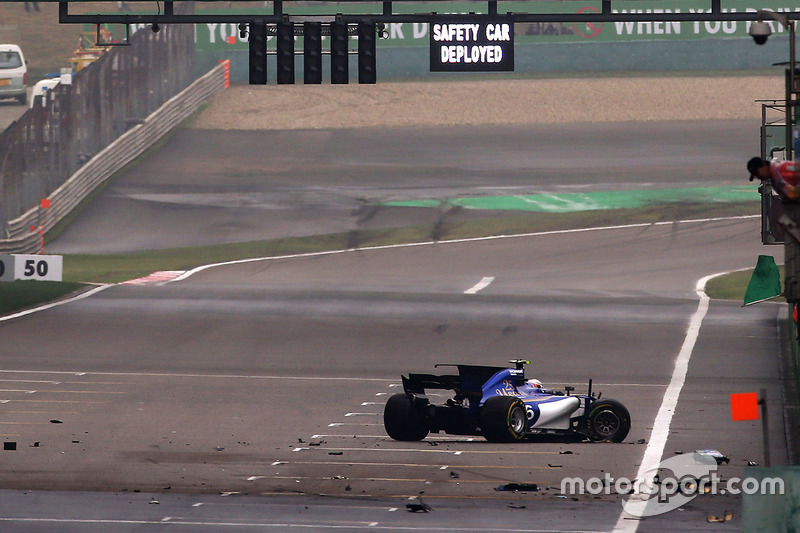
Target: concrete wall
{"x":772,"y":513}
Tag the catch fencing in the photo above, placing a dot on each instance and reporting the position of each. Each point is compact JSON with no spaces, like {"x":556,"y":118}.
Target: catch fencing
{"x":65,"y":134}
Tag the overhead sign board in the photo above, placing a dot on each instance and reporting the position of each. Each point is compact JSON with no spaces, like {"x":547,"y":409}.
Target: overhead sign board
{"x":485,"y":45}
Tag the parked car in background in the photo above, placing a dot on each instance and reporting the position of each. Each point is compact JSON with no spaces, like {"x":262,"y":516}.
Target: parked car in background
{"x":41,"y":88}
{"x":13,"y":73}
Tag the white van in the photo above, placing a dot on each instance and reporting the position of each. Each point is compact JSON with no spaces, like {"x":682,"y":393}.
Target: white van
{"x":13,"y":73}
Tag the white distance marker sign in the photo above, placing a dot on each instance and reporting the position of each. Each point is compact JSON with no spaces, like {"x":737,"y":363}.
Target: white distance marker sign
{"x":486,"y":45}
{"x":37,"y":267}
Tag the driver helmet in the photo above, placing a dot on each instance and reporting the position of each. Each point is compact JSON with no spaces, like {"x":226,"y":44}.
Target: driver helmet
{"x":535,"y":383}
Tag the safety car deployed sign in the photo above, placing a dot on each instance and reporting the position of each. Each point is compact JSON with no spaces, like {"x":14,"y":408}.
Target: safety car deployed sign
{"x":478,"y":46}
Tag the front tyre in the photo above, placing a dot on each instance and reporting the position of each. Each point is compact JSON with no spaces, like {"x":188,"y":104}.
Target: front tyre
{"x":608,"y":420}
{"x":503,"y":419}
{"x":401,"y":421}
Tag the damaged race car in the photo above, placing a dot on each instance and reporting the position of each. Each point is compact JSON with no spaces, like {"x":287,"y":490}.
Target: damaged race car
{"x":501,"y":405}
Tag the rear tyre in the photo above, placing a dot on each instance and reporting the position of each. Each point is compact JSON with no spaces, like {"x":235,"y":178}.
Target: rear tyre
{"x":23,"y":99}
{"x":503,"y":419}
{"x":401,"y":421}
{"x":608,"y":420}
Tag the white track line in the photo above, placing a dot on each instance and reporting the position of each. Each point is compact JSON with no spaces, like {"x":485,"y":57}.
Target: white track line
{"x":190,"y":273}
{"x":658,"y":436}
{"x":194,"y":271}
{"x":482,"y":284}
{"x":198,"y":525}
{"x":56,"y":304}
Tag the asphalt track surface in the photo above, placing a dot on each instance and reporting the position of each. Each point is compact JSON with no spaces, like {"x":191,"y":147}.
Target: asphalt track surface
{"x":268,"y":378}
{"x":208,"y":187}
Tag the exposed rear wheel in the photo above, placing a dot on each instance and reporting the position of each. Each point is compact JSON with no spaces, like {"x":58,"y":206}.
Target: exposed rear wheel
{"x":401,"y":421}
{"x":503,"y":419}
{"x":608,"y":420}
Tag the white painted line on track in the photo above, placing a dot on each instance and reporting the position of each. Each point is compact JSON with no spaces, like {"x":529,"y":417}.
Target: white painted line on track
{"x":199,"y":269}
{"x":424,"y":450}
{"x":636,"y":505}
{"x":482,"y":284}
{"x":210,"y":376}
{"x":369,"y":526}
{"x":351,"y":435}
{"x":80,"y":296}
{"x":359,"y":424}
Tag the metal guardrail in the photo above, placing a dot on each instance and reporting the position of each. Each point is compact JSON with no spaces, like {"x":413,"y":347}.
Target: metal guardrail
{"x":91,"y":125}
{"x":110,"y":160}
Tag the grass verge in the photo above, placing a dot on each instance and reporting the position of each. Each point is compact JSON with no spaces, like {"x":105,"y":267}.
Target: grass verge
{"x":18,"y":295}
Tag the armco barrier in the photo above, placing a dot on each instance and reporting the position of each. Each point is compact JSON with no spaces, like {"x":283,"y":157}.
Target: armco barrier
{"x":110,"y":160}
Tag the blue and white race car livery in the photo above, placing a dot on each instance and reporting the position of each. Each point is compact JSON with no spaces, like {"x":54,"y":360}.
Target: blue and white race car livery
{"x":501,"y":405}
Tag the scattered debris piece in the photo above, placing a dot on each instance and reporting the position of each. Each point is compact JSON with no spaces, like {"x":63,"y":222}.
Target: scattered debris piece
{"x":728,"y":515}
{"x":512,"y":506}
{"x":76,"y":442}
{"x":219,"y":448}
{"x":56,"y":421}
{"x":518,"y":487}
{"x":320,"y":443}
{"x":678,"y":452}
{"x":752,"y":463}
{"x":348,"y":487}
{"x":335,"y":453}
{"x":454,"y":475}
{"x":419,"y":506}
{"x":339,"y":477}
{"x":301,"y":441}
{"x":718,"y":457}
{"x":36,"y":444}
{"x":155,"y":502}
{"x":640,"y":441}
{"x":433,"y":443}
{"x":10,"y":445}
{"x":554,"y":466}
{"x":565,"y":452}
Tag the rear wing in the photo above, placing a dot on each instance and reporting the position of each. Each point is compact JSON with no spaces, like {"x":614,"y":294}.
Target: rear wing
{"x":469,"y":381}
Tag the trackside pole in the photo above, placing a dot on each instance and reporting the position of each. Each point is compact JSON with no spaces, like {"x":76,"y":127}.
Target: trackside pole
{"x":764,"y":426}
{"x":748,"y":406}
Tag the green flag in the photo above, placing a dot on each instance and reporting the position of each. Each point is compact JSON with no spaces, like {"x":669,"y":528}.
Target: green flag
{"x":765,"y":283}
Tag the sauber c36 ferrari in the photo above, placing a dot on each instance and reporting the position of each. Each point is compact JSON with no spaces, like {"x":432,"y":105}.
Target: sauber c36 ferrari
{"x":501,"y":405}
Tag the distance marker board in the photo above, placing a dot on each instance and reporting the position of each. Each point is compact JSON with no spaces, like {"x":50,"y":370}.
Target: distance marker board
{"x":36,"y":267}
{"x":486,"y":45}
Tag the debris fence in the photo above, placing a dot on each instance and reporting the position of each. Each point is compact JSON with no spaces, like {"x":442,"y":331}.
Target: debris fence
{"x":56,"y":137}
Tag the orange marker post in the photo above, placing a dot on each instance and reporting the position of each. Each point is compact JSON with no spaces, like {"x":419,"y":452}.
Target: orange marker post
{"x":44,"y":204}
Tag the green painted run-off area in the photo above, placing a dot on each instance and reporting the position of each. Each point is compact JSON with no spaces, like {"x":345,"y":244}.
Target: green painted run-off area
{"x":590,"y":201}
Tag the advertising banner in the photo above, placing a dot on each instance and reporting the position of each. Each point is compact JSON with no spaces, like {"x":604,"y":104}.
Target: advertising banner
{"x":225,"y":36}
